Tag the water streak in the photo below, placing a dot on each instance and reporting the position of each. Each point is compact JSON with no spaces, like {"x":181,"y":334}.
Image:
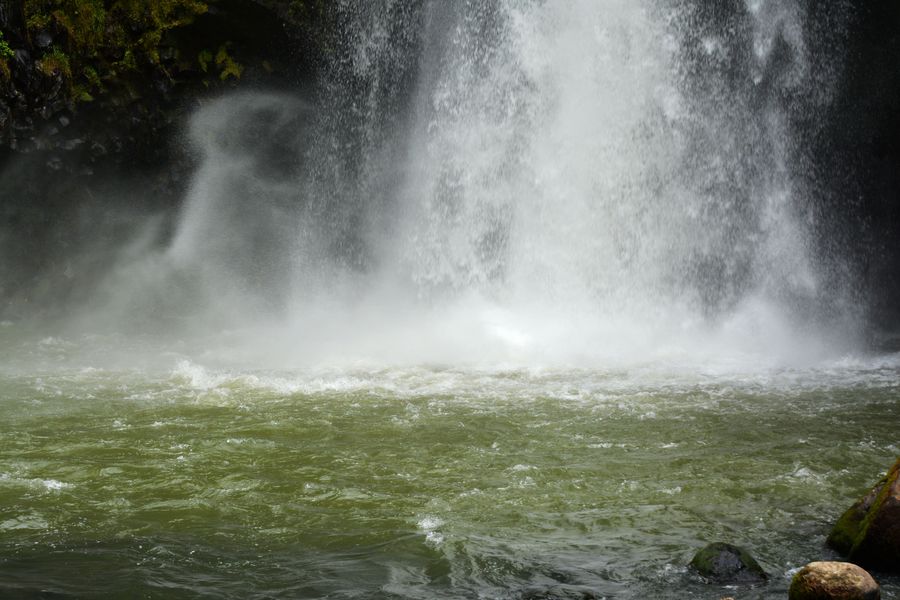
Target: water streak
{"x":568,"y":182}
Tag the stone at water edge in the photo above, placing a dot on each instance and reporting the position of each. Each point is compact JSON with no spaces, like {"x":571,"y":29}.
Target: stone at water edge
{"x":833,"y":581}
{"x":869,"y":532}
{"x":725,"y":563}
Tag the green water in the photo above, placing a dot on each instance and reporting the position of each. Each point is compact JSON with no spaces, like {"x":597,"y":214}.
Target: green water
{"x":191,"y":481}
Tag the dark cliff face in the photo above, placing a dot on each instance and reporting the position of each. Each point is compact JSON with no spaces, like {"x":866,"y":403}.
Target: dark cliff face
{"x":858,"y":159}
{"x":845,"y":142}
{"x":117,"y":93}
{"x":91,"y":122}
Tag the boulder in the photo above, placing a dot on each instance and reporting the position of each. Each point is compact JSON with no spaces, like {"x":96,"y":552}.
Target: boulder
{"x":725,"y":563}
{"x":833,"y":581}
{"x":869,"y":532}
{"x":559,"y":592}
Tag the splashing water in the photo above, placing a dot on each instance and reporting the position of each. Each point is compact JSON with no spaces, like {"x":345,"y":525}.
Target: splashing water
{"x":529,"y":182}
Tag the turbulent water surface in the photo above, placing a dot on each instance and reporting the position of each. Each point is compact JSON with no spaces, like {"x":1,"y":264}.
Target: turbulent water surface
{"x":422,"y":482}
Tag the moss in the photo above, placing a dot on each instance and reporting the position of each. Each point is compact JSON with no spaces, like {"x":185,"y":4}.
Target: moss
{"x":227,"y":65}
{"x":845,"y":532}
{"x":727,"y":563}
{"x":204,"y":58}
{"x":99,"y":40}
{"x":98,"y":44}
{"x":56,"y":62}
{"x":5,"y":51}
{"x":850,"y":534}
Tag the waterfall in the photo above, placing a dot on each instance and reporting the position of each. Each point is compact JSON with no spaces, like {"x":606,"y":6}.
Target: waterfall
{"x":576,"y":181}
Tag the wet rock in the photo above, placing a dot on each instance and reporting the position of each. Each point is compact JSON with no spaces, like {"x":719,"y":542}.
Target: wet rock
{"x":72,"y":144}
{"x":559,"y":592}
{"x":43,"y":39}
{"x":97,"y":150}
{"x":23,"y":124}
{"x":725,"y":563}
{"x":869,"y":532}
{"x":833,"y":581}
{"x":22,"y":58}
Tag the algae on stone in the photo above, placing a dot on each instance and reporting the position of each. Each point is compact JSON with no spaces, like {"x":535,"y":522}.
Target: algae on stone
{"x":869,"y":531}
{"x":91,"y":42}
{"x":726,"y":563}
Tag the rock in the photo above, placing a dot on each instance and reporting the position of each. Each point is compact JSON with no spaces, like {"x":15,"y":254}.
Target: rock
{"x":833,"y":581}
{"x":22,"y":58}
{"x":43,"y":39}
{"x":725,"y":563}
{"x":869,"y":532}
{"x":561,"y":592}
{"x":72,"y":144}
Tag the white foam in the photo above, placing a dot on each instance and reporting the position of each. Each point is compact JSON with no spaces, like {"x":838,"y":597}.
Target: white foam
{"x":430,"y":525}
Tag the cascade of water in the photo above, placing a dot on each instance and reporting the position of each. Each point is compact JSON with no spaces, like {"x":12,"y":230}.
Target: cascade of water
{"x":569,"y":179}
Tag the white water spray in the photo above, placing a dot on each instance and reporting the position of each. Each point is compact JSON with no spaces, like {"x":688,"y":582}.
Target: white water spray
{"x":583,"y":183}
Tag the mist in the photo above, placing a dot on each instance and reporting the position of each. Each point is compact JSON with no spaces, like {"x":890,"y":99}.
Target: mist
{"x":555,"y":183}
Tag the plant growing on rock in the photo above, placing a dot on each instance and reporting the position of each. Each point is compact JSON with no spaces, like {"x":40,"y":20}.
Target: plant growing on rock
{"x":93,"y":42}
{"x":869,"y":531}
{"x":5,"y":54}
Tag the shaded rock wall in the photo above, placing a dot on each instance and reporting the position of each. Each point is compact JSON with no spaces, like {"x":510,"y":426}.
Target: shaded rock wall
{"x":857,"y":163}
{"x":91,"y":140}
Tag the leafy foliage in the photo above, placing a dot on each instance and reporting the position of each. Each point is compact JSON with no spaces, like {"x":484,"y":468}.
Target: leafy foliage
{"x":5,"y":50}
{"x":98,"y":40}
{"x":56,"y":61}
{"x":5,"y":54}
{"x":227,"y":65}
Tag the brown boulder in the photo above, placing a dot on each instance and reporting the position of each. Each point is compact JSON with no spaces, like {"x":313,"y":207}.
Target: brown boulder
{"x":869,"y":532}
{"x":833,"y":581}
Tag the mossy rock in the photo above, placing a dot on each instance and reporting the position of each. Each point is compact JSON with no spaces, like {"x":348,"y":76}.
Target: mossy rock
{"x":833,"y":581}
{"x":725,"y":563}
{"x":869,"y":532}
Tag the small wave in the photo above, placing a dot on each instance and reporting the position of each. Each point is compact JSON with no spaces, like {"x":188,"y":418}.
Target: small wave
{"x":50,"y":485}
{"x":500,"y":384}
{"x":429,"y":525}
{"x":32,"y":521}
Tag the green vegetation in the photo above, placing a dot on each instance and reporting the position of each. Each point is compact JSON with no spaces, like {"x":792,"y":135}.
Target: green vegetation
{"x":5,"y":50}
{"x":98,"y":41}
{"x":227,"y":65}
{"x":6,"y":53}
{"x":727,"y":563}
{"x":856,"y":534}
{"x":56,"y":61}
{"x":102,"y":47}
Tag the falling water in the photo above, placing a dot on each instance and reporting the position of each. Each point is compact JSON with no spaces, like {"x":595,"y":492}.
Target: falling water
{"x":565,"y":182}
